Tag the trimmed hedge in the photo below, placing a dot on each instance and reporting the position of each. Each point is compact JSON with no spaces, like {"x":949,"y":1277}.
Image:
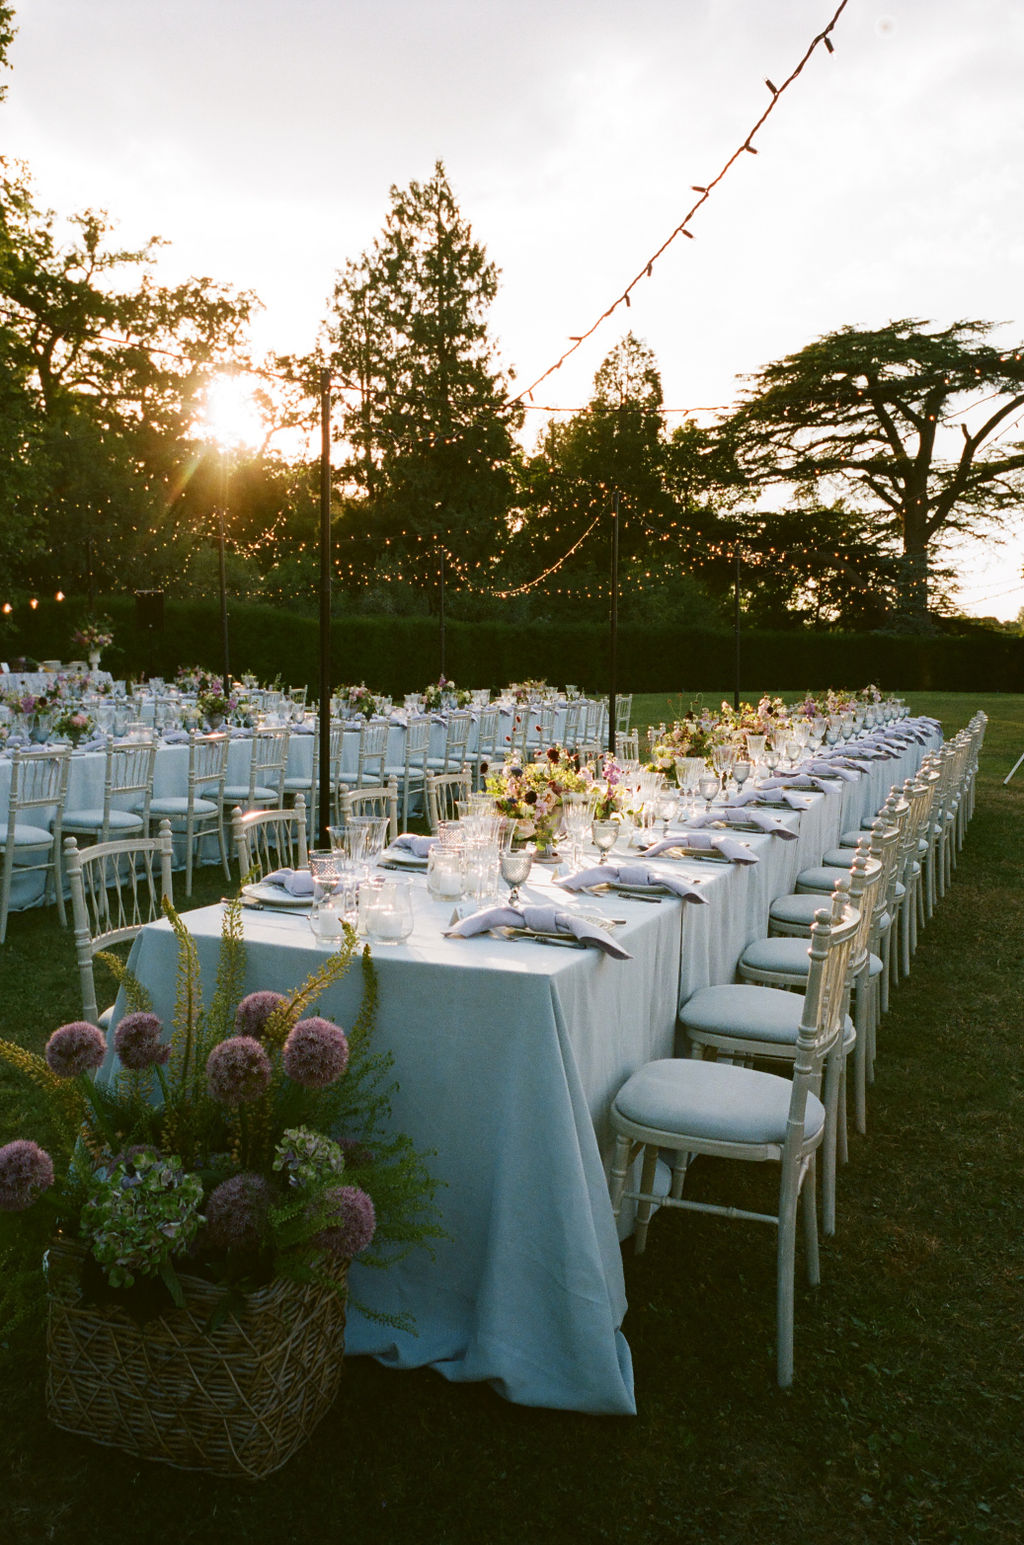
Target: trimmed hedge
{"x":401,"y":654}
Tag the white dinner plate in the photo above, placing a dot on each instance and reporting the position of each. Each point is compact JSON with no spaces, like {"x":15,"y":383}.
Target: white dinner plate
{"x":402,"y":858}
{"x":275,"y":896}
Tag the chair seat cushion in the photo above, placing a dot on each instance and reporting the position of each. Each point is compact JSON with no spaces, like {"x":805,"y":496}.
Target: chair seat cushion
{"x":797,"y":910}
{"x":838,"y":858}
{"x":238,"y":793}
{"x":714,"y":1101}
{"x":785,"y":956}
{"x":92,"y":820}
{"x":761,"y":1013}
{"x":29,"y":837}
{"x":177,"y":804}
{"x":298,"y":785}
{"x":821,"y":877}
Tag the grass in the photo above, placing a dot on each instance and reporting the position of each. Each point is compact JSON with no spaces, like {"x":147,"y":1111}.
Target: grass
{"x":904,"y":1421}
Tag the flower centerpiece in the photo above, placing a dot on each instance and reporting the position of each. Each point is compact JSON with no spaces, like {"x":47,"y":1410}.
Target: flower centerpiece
{"x":215,"y":703}
{"x":74,"y":724}
{"x":529,"y":691}
{"x":695,"y":734}
{"x":93,"y":637}
{"x":607,"y":790}
{"x":531,"y":793}
{"x":358,"y":700}
{"x":442,"y":693}
{"x":202,"y":1199}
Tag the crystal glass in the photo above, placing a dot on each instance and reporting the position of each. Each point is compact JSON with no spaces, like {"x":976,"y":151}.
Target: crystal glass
{"x":446,"y":879}
{"x":515,"y":868}
{"x":708,"y":788}
{"x":741,"y":772}
{"x":603,"y":834}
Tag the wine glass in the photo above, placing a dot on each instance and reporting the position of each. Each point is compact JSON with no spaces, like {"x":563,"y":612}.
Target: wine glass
{"x":741,"y":772}
{"x":603,"y":834}
{"x":707,"y":787}
{"x":515,"y":867}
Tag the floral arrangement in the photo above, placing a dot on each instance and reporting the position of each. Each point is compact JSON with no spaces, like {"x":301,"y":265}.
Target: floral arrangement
{"x":441,"y":689}
{"x":214,"y":702}
{"x":531,"y":792}
{"x":695,"y":734}
{"x":250,"y":1145}
{"x":74,"y":724}
{"x":94,"y":635}
{"x":529,"y":691}
{"x":29,"y":703}
{"x":607,"y":790}
{"x":196,"y":680}
{"x":358,"y":699}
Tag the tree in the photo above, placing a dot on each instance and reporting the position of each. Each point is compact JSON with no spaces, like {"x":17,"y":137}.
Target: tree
{"x":429,"y":430}
{"x":100,"y":368}
{"x":908,"y":425}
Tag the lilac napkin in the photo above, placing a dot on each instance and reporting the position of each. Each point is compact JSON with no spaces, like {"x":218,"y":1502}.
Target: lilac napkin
{"x":798,"y":781}
{"x":833,"y":769}
{"x":305,"y":728}
{"x":632,"y":874}
{"x":297,"y":882}
{"x":420,"y":846}
{"x":539,"y":920}
{"x":772,"y":824}
{"x":782,"y":796}
{"x":239,"y":733}
{"x":175,"y":737}
{"x":705,"y":842}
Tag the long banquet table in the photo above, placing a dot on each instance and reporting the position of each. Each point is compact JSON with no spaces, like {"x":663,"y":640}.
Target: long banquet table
{"x":507,"y":1057}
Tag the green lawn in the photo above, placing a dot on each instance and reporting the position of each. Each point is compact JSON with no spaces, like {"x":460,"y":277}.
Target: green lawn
{"x":903,"y":1424}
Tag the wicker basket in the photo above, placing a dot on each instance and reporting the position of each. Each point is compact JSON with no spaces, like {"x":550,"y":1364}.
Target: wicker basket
{"x":236,"y":1401}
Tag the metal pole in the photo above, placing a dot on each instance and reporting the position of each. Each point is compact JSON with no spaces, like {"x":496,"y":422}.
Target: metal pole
{"x":441,"y":638}
{"x":613,"y":628}
{"x":736,"y":629}
{"x":222,"y":514}
{"x":324,"y":725}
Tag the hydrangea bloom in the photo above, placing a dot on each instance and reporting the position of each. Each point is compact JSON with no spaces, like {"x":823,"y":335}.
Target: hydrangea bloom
{"x":25,"y":1171}
{"x":315,"y":1053}
{"x":252,"y":1013}
{"x":137,"y":1041}
{"x":306,"y":1157}
{"x":238,"y":1070}
{"x":75,"y":1048}
{"x":355,"y":1222}
{"x":236,"y":1212}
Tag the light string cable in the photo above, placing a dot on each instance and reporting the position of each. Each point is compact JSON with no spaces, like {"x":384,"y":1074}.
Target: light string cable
{"x":705,"y":192}
{"x":504,"y":595}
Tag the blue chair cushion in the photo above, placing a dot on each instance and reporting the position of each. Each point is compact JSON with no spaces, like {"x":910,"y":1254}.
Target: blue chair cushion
{"x":788,"y":956}
{"x":92,"y":820}
{"x":713,"y":1101}
{"x":838,"y":858}
{"x":741,"y":1009}
{"x":821,"y":878}
{"x":798,"y":910}
{"x":26,"y":836}
{"x":173,"y":804}
{"x":239,"y":793}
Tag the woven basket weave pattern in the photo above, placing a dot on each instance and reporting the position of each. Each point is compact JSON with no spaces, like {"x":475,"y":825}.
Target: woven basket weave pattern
{"x":238,"y":1401}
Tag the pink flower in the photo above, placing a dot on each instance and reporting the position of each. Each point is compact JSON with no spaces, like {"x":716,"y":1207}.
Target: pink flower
{"x":137,"y":1041}
{"x":238,"y":1070}
{"x":76,"y":1048}
{"x":315,"y":1053}
{"x":253,"y":1011}
{"x":236,"y":1213}
{"x":25,"y":1171}
{"x":354,"y":1226}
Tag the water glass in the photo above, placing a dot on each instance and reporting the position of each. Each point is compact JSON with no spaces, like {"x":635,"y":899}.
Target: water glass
{"x":446,"y":879}
{"x":388,"y":912}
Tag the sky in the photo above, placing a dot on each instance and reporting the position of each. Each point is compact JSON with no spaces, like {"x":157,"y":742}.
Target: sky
{"x":261,"y":141}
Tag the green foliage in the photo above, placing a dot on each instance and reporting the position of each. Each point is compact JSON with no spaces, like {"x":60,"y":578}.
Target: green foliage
{"x":903,"y":422}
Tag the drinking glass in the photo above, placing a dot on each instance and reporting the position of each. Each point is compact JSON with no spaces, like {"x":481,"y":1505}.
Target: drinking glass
{"x":445,"y":873}
{"x":741,"y":772}
{"x":708,"y":788}
{"x":515,"y":868}
{"x":603,"y":834}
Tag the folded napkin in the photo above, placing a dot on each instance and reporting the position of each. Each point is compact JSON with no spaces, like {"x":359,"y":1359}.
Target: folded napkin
{"x":307,"y":727}
{"x":539,"y":920}
{"x":833,"y":769}
{"x":420,"y":846}
{"x":704,"y":842}
{"x":753,"y":796}
{"x":237,"y":732}
{"x":764,"y":822}
{"x":297,"y":882}
{"x":632,"y":874}
{"x":94,"y":743}
{"x":175,"y":737}
{"x":797,"y":781}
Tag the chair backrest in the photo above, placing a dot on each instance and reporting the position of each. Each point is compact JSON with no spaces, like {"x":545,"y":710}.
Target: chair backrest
{"x":39,"y":780}
{"x":574,"y":713}
{"x":820,"y":1036}
{"x":623,"y":712}
{"x":116,"y":889}
{"x":128,"y":776}
{"x":266,"y":840}
{"x":487,"y":731}
{"x":417,"y":737}
{"x":456,"y":738}
{"x":207,"y":764}
{"x":268,"y":761}
{"x":627,"y":745}
{"x":368,"y":799}
{"x":373,"y":745}
{"x":443,"y":791}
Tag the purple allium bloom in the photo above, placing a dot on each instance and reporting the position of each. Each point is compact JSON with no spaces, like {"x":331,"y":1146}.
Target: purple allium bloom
{"x":238,"y":1070}
{"x":252,"y":1013}
{"x":25,"y":1171}
{"x":355,"y":1225}
{"x":236,"y":1213}
{"x":315,"y":1053}
{"x":75,"y":1048}
{"x":137,"y":1041}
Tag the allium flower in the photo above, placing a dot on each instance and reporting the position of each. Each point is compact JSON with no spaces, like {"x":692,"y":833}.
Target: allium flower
{"x":252,"y":1013}
{"x":355,"y":1225}
{"x":236,"y":1213}
{"x":315,"y":1053}
{"x":238,"y":1070}
{"x":25,"y":1171}
{"x":137,"y":1041}
{"x":75,"y":1048}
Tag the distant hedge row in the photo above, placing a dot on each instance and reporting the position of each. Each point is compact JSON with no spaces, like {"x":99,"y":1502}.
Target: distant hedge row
{"x":399,"y":655}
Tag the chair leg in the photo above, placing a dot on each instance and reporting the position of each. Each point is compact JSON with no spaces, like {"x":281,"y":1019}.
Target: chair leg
{"x":645,"y":1208}
{"x":785,"y":1266}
